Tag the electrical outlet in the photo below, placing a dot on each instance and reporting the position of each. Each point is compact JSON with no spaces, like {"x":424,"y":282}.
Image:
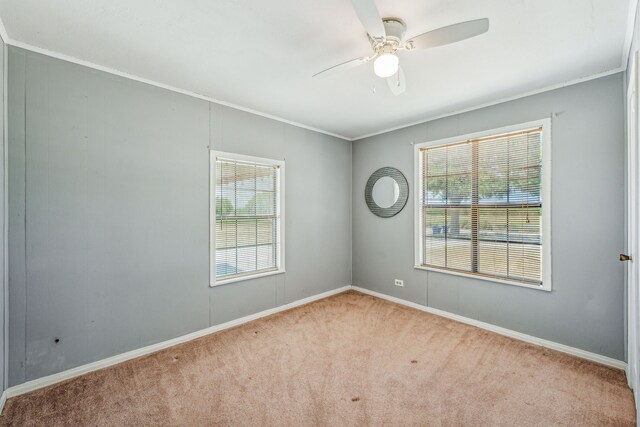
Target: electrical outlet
{"x":399,"y":282}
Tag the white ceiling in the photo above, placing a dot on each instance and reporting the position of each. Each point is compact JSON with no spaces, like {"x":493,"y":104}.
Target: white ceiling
{"x":261,"y":54}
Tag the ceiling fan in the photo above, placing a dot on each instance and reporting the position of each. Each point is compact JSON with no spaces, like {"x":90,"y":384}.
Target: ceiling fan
{"x":387,"y":39}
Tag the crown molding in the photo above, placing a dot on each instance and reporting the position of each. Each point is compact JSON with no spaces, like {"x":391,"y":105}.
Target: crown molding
{"x":3,"y":32}
{"x":628,"y":40}
{"x":134,"y":77}
{"x":499,"y":101}
{"x":624,"y":60}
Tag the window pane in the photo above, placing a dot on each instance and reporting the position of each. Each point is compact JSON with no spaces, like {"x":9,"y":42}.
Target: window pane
{"x":266,"y":231}
{"x":243,"y":243}
{"x":247,"y":232}
{"x":247,"y":258}
{"x":436,"y":161}
{"x":525,"y":225}
{"x":434,"y":229}
{"x":525,"y":243}
{"x":225,"y":188}
{"x":458,"y":189}
{"x":265,"y":203}
{"x":436,"y":190}
{"x":245,"y":176}
{"x":434,"y":253}
{"x":448,"y":238}
{"x":510,"y":242}
{"x":493,"y":245}
{"x":525,"y":261}
{"x":226,"y":262}
{"x":482,"y":206}
{"x":459,"y":159}
{"x":458,"y":232}
{"x":525,"y":150}
{"x":224,"y":206}
{"x":493,"y":173}
{"x":226,"y":248}
{"x":265,"y":178}
{"x":225,"y":234}
{"x":448,"y":175}
{"x":525,"y":185}
{"x":226,"y":173}
{"x":492,"y":224}
{"x":245,"y":202}
{"x":459,"y":254}
{"x":265,"y":256}
{"x":492,"y":258}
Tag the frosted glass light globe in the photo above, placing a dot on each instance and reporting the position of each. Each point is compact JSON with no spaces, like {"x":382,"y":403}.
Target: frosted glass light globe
{"x":386,"y":65}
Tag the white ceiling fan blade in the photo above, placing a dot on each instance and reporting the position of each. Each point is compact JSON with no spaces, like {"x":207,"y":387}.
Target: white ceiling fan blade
{"x":450,"y":34}
{"x":343,"y":66}
{"x":370,"y":17}
{"x":397,"y":83}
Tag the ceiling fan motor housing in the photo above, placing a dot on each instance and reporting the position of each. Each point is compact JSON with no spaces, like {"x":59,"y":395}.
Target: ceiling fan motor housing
{"x":395,"y":29}
{"x":387,"y":38}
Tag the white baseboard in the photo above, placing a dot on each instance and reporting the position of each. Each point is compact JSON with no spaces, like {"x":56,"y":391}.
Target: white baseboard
{"x":114,"y":360}
{"x":604,"y":360}
{"x":101,"y":364}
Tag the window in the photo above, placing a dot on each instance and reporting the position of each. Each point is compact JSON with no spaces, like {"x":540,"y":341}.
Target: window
{"x":247,"y":210}
{"x":483,"y":205}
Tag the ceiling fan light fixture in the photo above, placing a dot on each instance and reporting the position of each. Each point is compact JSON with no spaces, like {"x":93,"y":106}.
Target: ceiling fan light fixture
{"x":386,"y":65}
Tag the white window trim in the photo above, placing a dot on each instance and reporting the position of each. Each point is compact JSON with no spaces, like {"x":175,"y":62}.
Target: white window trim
{"x":546,"y":201}
{"x":213,"y":156}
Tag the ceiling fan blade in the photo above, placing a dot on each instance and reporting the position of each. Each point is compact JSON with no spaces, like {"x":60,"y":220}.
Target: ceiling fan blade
{"x":450,"y":34}
{"x":397,"y":83}
{"x":370,"y":17}
{"x":343,"y":66}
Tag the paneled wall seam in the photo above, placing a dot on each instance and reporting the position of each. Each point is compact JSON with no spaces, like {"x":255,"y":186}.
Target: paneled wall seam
{"x":5,"y":224}
{"x":583,"y":310}
{"x":209,"y":148}
{"x":148,"y":217}
{"x":26,"y":276}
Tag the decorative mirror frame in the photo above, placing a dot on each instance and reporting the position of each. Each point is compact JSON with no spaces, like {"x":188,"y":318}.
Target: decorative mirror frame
{"x":403,"y":195}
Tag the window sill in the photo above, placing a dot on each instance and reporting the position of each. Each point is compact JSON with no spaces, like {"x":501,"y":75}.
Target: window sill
{"x":242,"y":278}
{"x":545,"y":287}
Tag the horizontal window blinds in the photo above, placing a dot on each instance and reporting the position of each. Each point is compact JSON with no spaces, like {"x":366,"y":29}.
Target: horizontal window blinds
{"x":482,"y":206}
{"x":247,"y":218}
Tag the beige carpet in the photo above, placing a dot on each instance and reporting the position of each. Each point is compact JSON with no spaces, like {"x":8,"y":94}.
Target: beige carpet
{"x":350,"y":359}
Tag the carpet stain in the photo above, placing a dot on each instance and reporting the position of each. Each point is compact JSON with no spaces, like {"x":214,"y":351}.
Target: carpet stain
{"x":307,"y":357}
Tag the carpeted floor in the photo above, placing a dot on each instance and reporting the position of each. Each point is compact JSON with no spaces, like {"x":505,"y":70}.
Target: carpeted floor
{"x":350,"y":359}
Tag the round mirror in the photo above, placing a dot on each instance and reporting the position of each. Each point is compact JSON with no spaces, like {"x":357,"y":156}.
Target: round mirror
{"x":385,"y":192}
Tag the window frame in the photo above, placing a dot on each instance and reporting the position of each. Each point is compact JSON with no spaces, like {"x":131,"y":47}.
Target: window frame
{"x":280,"y":213}
{"x":545,"y":136}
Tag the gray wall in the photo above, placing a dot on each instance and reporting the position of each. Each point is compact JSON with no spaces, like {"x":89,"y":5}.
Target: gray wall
{"x":109,"y":214}
{"x":585,"y":308}
{"x":3,"y":291}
